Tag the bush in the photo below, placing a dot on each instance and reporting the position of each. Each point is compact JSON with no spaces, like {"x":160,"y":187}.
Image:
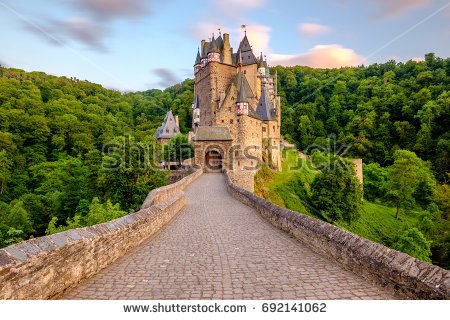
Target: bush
{"x":414,"y":243}
{"x":336,"y":191}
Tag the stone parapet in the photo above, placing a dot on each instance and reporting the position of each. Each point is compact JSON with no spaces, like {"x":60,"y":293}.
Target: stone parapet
{"x":44,"y":267}
{"x":409,"y":276}
{"x":160,"y":194}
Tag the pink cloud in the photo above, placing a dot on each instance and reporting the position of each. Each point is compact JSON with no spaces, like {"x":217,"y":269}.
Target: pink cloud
{"x":239,"y":4}
{"x":321,"y":56}
{"x":392,"y":8}
{"x":418,"y":59}
{"x":313,"y":29}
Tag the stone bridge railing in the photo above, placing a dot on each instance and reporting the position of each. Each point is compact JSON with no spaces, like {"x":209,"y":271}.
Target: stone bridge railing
{"x":44,"y":267}
{"x":407,"y":275}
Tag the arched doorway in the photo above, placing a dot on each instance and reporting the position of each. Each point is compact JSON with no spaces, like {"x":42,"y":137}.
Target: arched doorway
{"x":213,"y":161}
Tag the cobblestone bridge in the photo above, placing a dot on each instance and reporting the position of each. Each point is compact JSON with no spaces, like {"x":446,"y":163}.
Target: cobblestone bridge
{"x":218,"y":248}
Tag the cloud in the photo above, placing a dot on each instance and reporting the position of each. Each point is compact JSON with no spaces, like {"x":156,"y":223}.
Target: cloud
{"x":313,"y":30}
{"x":114,"y":8}
{"x":93,"y":26}
{"x":85,"y":31}
{"x":237,"y":5}
{"x":204,"y":30}
{"x":48,"y":32}
{"x":321,"y":56}
{"x":418,"y":59}
{"x":391,"y":8}
{"x":167,"y":77}
{"x":258,"y":35}
{"x":78,"y":29}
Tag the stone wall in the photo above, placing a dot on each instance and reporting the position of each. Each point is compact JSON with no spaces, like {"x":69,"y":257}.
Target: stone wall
{"x":160,"y":194}
{"x":407,"y":275}
{"x":42,"y":268}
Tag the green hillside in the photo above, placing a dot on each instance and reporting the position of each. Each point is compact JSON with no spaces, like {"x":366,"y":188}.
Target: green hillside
{"x":291,"y":189}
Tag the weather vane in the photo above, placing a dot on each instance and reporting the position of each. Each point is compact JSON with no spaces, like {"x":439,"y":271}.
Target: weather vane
{"x":220,"y":33}
{"x":245,"y":28}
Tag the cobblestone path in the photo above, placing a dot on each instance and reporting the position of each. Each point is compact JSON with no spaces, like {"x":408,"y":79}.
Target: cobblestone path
{"x":218,"y":248}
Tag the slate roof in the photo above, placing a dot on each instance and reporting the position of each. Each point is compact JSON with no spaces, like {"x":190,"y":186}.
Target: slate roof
{"x":265,"y":109}
{"x":213,"y":46}
{"x":245,"y":93}
{"x":261,"y":62}
{"x":246,"y":51}
{"x":196,"y":102}
{"x":212,"y":134}
{"x":168,"y":128}
{"x":219,"y":42}
{"x":198,"y":59}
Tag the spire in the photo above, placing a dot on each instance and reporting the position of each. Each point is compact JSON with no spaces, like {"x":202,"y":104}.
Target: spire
{"x":261,"y":62}
{"x":265,"y":109}
{"x":199,"y":58}
{"x":213,"y":46}
{"x":241,"y":94}
{"x":239,"y":58}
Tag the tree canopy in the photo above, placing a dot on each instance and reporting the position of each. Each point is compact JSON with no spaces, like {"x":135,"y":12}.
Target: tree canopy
{"x":58,"y":136}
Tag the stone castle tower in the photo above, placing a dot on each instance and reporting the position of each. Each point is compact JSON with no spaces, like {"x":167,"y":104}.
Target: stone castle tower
{"x":236,"y":111}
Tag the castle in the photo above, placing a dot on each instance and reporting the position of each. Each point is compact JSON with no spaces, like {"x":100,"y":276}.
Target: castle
{"x":236,"y":111}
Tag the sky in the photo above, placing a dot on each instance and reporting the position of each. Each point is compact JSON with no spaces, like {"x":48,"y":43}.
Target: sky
{"x":136,"y":45}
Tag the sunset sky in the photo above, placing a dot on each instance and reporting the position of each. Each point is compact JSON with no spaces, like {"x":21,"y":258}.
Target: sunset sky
{"x":143,"y":44}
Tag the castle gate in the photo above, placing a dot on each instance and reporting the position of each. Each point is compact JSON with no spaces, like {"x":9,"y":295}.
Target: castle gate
{"x":213,"y":161}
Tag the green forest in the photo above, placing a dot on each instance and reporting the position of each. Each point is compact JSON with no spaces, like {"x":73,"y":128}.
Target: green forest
{"x":393,"y":115}
{"x":52,"y":163}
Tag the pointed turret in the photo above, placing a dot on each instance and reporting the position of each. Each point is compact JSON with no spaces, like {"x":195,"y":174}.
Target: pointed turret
{"x":265,"y":109}
{"x":261,"y":61}
{"x":241,"y":101}
{"x":196,"y":111}
{"x":239,"y":58}
{"x":213,"y":52}
{"x":247,"y":53}
{"x":198,"y":62}
{"x":199,"y":58}
{"x":213,"y":46}
{"x":261,"y":66}
{"x":241,"y":94}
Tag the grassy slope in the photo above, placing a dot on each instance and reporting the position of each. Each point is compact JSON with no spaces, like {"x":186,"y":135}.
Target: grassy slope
{"x":290,"y":189}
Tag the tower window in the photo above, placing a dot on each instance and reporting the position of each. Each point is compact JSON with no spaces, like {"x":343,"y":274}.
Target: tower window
{"x":245,"y":71}
{"x":223,"y":121}
{"x":231,"y":121}
{"x":264,"y":129}
{"x":238,"y":120}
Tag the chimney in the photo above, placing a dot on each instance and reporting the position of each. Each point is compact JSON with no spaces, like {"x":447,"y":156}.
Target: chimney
{"x":227,"y":49}
{"x":176,"y":121}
